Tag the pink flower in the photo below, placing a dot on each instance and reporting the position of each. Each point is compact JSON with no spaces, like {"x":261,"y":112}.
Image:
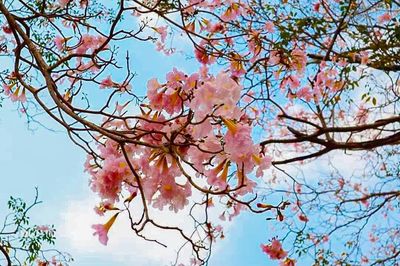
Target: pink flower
{"x":292,"y":81}
{"x":107,"y":180}
{"x":221,"y":91}
{"x":170,"y":193}
{"x":298,"y":188}
{"x":102,"y":229}
{"x":107,"y":83}
{"x":364,"y":260}
{"x":239,"y":145}
{"x":166,"y":97}
{"x":83,"y":3}
{"x":191,"y":82}
{"x":7,"y":29}
{"x":153,"y":95}
{"x":90,"y":42}
{"x":7,"y":89}
{"x":303,"y":218}
{"x":232,"y":12}
{"x":201,"y":54}
{"x":270,"y":27}
{"x":274,"y":58}
{"x":120,"y":107}
{"x":263,"y":164}
{"x":16,"y":96}
{"x":63,"y":3}
{"x":124,"y":87}
{"x":217,"y":27}
{"x":103,"y":207}
{"x":305,"y":93}
{"x":274,"y":250}
{"x":384,"y":18}
{"x":162,"y":31}
{"x":218,"y":175}
{"x":237,"y":208}
{"x":198,"y":157}
{"x":59,"y":41}
{"x":43,"y":228}
{"x":99,"y":210}
{"x":175,"y":78}
{"x":316,"y":6}
{"x":22,"y":97}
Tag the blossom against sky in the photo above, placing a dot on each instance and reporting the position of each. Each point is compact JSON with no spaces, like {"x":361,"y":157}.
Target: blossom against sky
{"x":48,"y":160}
{"x":43,"y":156}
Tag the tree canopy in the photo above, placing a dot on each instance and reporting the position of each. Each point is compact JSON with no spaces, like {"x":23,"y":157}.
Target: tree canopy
{"x":279,"y":85}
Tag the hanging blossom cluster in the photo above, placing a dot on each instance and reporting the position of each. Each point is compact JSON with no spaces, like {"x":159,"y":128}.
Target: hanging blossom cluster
{"x":276,"y":252}
{"x":192,"y":123}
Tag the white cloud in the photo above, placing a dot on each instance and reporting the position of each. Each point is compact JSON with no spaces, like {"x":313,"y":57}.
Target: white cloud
{"x":124,"y":247}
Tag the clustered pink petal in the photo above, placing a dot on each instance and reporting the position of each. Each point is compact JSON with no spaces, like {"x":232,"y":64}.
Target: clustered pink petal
{"x":43,"y":228}
{"x":107,"y":83}
{"x":172,"y":194}
{"x":59,"y":41}
{"x":222,"y":92}
{"x":384,"y":17}
{"x":270,"y":27}
{"x":240,"y":147}
{"x":274,"y":250}
{"x":107,"y":180}
{"x":163,"y":32}
{"x":166,"y":97}
{"x":6,"y":29}
{"x":15,"y":96}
